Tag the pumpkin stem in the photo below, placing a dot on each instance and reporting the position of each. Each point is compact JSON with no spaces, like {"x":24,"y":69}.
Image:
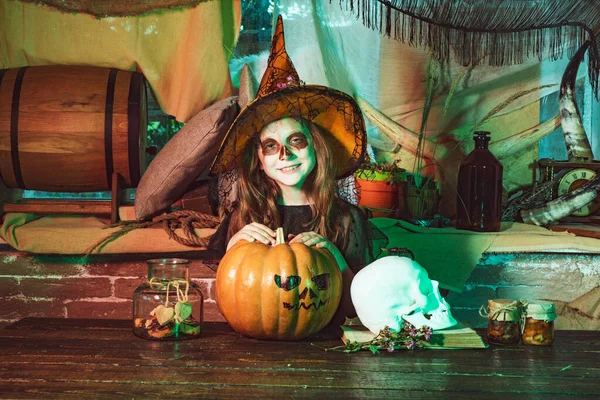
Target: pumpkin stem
{"x":280,"y":238}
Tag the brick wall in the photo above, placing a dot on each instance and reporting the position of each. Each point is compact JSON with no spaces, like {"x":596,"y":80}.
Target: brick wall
{"x":102,"y":286}
{"x":76,"y":287}
{"x":559,"y":277}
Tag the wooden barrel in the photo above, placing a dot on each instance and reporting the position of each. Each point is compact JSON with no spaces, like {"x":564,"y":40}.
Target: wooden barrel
{"x":68,"y":128}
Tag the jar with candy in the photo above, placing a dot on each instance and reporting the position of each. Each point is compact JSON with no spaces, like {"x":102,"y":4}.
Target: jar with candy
{"x":538,"y":323}
{"x":168,"y":306}
{"x":503,"y":321}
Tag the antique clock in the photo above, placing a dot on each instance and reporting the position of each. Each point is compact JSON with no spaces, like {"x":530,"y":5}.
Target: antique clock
{"x":580,"y":168}
{"x":569,"y":176}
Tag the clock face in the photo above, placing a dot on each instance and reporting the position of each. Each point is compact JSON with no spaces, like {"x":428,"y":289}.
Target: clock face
{"x":576,"y":178}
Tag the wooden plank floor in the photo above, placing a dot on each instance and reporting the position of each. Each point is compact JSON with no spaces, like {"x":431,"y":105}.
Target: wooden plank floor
{"x":66,"y":358}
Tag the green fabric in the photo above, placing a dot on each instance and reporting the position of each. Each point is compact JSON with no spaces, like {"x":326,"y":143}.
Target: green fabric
{"x":449,"y":255}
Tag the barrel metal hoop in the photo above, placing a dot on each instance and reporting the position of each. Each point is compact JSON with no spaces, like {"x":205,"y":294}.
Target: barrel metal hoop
{"x":2,"y":72}
{"x":14,"y":128}
{"x":108,"y":121}
{"x":133,"y":121}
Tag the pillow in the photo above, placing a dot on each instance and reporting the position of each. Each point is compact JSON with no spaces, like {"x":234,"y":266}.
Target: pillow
{"x":187,"y":155}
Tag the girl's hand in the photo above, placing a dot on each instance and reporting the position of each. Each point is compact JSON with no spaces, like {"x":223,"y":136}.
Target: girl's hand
{"x":314,"y":239}
{"x":253,"y":232}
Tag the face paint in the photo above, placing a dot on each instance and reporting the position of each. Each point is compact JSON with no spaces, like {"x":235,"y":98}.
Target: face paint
{"x":286,"y":152}
{"x":296,"y":141}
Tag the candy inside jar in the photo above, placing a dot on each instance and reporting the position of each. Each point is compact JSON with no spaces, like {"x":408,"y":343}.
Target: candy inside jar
{"x":503,"y":321}
{"x":538,"y":325}
{"x":168,"y":306}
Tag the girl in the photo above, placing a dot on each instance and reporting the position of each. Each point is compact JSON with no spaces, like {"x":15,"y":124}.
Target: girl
{"x":289,"y":146}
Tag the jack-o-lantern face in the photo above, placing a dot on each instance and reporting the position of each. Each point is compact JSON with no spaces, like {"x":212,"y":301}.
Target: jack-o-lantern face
{"x":286,"y":291}
{"x":314,"y":288}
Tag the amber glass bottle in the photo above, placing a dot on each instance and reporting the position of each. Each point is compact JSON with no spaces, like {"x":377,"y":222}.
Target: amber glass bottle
{"x":479,"y":200}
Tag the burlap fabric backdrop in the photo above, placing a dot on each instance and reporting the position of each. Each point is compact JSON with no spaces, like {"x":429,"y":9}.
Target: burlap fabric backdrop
{"x":330,"y":47}
{"x":182,"y":52}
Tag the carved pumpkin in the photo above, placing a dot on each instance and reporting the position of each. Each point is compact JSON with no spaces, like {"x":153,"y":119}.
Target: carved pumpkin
{"x":284,"y":292}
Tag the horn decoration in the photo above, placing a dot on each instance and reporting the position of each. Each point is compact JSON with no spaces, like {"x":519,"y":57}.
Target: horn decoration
{"x":515,"y":144}
{"x":578,"y":150}
{"x":578,"y":146}
{"x":565,"y":205}
{"x":385,"y":145}
{"x":408,"y":139}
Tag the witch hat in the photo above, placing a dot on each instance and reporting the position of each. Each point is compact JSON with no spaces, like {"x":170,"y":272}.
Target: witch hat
{"x":282,"y":94}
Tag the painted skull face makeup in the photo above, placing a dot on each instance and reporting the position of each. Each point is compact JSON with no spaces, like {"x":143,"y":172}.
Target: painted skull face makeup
{"x":296,"y":141}
{"x":286,"y":152}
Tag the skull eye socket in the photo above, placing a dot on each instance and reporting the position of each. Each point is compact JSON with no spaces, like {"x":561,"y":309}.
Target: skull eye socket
{"x":288,"y":283}
{"x":321,"y":281}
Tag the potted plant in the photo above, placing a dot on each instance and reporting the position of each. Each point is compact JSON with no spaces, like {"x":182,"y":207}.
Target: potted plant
{"x":381,"y":189}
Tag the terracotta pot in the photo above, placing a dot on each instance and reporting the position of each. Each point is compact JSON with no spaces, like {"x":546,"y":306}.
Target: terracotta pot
{"x":379,"y":196}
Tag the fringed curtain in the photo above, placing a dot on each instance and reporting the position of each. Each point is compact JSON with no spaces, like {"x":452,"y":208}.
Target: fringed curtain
{"x":505,"y":32}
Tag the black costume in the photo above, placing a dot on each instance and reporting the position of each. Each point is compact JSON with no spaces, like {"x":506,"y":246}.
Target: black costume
{"x":358,"y":251}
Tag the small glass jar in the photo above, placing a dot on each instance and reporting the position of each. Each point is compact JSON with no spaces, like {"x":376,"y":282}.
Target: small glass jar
{"x":538,"y":325}
{"x":503,"y":321}
{"x":168,"y":306}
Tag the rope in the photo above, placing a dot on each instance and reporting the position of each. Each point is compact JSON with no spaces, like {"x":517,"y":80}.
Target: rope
{"x":512,"y":309}
{"x":185,"y":220}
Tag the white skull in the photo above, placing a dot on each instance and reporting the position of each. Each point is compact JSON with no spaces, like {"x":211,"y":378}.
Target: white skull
{"x":393,"y":289}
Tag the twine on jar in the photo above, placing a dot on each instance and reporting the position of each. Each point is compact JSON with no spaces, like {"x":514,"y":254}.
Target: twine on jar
{"x":182,"y":297}
{"x":483,"y":312}
{"x":507,"y":309}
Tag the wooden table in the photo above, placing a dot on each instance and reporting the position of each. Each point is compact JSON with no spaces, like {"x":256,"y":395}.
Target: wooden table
{"x":66,"y":358}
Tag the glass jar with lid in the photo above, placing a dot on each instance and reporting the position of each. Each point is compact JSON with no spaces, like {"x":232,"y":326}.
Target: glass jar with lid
{"x":503,"y":321}
{"x":168,"y":306}
{"x":538,"y":323}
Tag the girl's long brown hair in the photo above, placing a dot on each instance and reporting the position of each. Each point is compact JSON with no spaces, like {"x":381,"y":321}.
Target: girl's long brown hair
{"x":258,"y":194}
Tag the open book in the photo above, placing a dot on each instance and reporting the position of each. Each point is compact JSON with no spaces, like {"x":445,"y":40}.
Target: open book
{"x":459,"y":336}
